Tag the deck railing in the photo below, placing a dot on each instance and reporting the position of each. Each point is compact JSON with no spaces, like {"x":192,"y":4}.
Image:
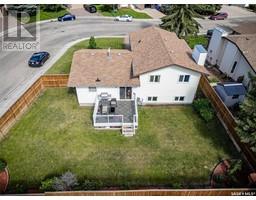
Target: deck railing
{"x":112,"y":120}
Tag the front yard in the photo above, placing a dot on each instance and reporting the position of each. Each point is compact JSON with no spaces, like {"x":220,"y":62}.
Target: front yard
{"x":172,"y":146}
{"x":123,"y":11}
{"x":63,"y":64}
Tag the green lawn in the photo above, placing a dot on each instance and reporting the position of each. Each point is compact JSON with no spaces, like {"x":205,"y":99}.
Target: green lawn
{"x":172,"y":146}
{"x":193,"y":40}
{"x":45,"y":15}
{"x":62,"y":66}
{"x":123,"y":11}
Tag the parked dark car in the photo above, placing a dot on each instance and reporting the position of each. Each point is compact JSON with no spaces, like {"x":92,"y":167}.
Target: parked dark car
{"x":90,"y":8}
{"x":219,"y":16}
{"x":66,"y":17}
{"x":38,"y":59}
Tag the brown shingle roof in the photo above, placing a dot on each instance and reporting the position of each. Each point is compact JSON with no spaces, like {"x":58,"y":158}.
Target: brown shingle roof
{"x":90,"y":65}
{"x":247,"y":45}
{"x":154,"y":48}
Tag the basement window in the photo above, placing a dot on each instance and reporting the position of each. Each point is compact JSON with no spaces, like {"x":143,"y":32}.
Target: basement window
{"x":92,"y":89}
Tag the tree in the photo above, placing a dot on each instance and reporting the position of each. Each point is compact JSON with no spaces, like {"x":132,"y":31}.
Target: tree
{"x":51,"y":7}
{"x":108,"y":7}
{"x":92,"y":43}
{"x":206,"y":9}
{"x":180,"y":19}
{"x":66,"y":182}
{"x":246,"y":123}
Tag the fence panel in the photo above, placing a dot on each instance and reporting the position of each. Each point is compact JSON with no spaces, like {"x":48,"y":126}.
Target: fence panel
{"x":21,"y":105}
{"x":158,"y":192}
{"x":227,"y":118}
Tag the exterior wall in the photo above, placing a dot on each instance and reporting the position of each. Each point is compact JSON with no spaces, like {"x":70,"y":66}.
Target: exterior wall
{"x":215,"y":45}
{"x":230,"y":55}
{"x":88,"y":98}
{"x":165,"y":90}
{"x":228,"y":101}
{"x":224,"y":53}
{"x":242,"y":69}
{"x":169,"y":86}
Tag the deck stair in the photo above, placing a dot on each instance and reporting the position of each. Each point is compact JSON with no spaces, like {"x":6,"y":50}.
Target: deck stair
{"x":128,"y":130}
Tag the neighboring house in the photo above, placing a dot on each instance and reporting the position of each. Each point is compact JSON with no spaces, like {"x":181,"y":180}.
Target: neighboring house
{"x":234,"y":55}
{"x":231,"y":93}
{"x":158,"y":69}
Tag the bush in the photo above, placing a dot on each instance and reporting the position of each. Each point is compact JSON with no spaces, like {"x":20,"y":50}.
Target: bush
{"x":65,"y":182}
{"x":47,"y":185}
{"x":92,"y":185}
{"x":51,"y":7}
{"x":2,"y":165}
{"x":108,"y":7}
{"x":92,"y":43}
{"x":203,"y":107}
{"x":252,"y":7}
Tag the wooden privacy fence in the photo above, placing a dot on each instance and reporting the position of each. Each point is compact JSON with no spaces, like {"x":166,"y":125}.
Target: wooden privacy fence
{"x":159,"y":192}
{"x":227,"y":118}
{"x":21,"y":105}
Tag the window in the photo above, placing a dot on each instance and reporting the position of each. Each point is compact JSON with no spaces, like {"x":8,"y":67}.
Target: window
{"x":179,"y":98}
{"x":92,"y":89}
{"x":236,"y":96}
{"x":181,"y":78}
{"x":184,"y":78}
{"x":233,"y":67}
{"x":182,"y":98}
{"x":154,"y":78}
{"x":152,"y":98}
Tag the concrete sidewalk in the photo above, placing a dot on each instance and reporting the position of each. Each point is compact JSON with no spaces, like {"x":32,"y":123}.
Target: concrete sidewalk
{"x":155,"y":14}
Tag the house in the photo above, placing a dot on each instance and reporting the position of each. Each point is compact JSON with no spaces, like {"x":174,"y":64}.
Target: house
{"x":234,"y":54}
{"x":158,"y":69}
{"x":231,"y":93}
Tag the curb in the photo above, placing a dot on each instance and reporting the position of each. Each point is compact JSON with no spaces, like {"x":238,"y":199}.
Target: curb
{"x":78,"y":18}
{"x":23,"y":87}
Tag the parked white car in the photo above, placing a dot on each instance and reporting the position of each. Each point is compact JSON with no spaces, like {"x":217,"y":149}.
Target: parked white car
{"x":124,"y":18}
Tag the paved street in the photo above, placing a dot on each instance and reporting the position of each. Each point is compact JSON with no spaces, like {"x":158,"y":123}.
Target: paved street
{"x":15,"y":75}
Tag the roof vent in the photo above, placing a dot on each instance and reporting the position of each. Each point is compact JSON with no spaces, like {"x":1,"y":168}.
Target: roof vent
{"x":97,"y":80}
{"x":139,"y":41}
{"x":119,"y":54}
{"x":247,"y":38}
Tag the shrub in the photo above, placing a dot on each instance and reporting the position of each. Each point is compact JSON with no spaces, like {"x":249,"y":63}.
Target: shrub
{"x":92,"y":43}
{"x":47,"y":185}
{"x":65,"y":182}
{"x":2,"y":165}
{"x":203,"y":107}
{"x":92,"y":184}
{"x":51,"y":7}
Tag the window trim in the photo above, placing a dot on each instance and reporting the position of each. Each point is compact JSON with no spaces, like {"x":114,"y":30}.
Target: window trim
{"x":92,"y":89}
{"x":178,"y":98}
{"x":154,"y":78}
{"x":151,"y":98}
{"x":182,"y":78}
